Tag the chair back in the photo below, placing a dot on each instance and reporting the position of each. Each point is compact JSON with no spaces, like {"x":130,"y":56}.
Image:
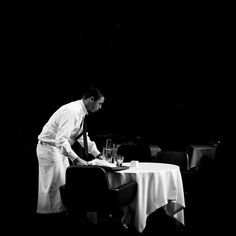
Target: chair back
{"x":88,"y":187}
{"x":136,"y":151}
{"x":179,"y":158}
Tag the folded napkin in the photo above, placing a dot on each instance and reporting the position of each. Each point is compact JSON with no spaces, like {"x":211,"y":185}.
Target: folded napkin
{"x":98,"y":162}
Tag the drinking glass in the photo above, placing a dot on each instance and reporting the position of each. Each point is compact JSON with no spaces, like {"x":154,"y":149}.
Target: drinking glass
{"x":119,"y":160}
{"x":107,"y":153}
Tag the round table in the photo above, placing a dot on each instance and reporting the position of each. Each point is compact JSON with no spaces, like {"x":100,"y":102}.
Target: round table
{"x":159,"y":185}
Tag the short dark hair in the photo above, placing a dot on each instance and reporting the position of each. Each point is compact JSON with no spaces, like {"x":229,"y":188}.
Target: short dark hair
{"x":92,"y":91}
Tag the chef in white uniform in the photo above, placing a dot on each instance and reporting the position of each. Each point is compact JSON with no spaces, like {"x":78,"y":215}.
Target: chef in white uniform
{"x":54,"y":148}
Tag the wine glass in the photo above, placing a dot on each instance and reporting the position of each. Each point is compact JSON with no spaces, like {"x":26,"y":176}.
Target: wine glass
{"x":119,"y":160}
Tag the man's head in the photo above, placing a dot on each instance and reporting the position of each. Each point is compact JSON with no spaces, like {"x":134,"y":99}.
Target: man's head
{"x":93,"y":99}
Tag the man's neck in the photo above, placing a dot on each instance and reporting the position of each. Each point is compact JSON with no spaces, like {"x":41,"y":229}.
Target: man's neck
{"x":85,"y":101}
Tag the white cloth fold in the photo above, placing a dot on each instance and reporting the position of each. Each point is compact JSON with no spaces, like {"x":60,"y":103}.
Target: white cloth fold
{"x":98,"y":162}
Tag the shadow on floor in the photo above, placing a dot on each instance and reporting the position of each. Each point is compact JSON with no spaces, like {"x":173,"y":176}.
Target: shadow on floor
{"x":53,"y":224}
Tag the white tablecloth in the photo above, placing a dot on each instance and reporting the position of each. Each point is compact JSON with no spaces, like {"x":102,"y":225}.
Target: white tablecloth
{"x":154,"y":149}
{"x":198,"y":151}
{"x":158,"y":185}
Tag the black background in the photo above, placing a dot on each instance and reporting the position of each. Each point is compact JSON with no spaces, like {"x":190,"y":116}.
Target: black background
{"x":171,"y":66}
{"x":166,"y":71}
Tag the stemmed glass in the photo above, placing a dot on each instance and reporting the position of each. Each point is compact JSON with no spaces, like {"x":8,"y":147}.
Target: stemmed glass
{"x":107,"y":150}
{"x":119,"y":160}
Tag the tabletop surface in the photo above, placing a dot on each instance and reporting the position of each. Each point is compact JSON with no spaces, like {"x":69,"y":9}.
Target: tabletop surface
{"x":149,"y":167}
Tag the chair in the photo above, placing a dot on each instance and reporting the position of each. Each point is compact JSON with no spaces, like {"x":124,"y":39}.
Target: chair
{"x":179,"y":158}
{"x":87,"y":189}
{"x":135,"y":151}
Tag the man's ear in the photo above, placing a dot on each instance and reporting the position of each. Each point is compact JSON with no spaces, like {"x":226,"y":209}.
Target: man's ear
{"x":92,"y":99}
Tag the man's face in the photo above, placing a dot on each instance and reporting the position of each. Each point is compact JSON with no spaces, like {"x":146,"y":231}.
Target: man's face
{"x":96,"y":105}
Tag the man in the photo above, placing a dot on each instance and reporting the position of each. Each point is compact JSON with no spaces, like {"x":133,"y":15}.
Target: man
{"x":54,"y":148}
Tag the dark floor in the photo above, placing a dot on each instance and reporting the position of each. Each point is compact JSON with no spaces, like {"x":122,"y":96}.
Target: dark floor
{"x":198,"y":220}
{"x":64,"y":224}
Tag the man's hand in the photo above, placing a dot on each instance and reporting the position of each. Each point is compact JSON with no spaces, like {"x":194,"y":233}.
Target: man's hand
{"x":80,"y":162}
{"x":100,"y":157}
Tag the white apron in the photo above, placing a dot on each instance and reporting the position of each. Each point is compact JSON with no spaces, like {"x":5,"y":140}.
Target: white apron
{"x":52,"y":170}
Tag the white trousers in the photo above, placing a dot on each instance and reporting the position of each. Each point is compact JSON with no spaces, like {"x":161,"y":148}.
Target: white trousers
{"x":52,"y":170}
